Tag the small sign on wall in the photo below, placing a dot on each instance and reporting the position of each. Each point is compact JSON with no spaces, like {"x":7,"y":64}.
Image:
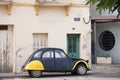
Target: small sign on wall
{"x":76,"y":19}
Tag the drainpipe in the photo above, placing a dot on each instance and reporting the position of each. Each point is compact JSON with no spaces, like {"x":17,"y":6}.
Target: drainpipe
{"x":94,"y":41}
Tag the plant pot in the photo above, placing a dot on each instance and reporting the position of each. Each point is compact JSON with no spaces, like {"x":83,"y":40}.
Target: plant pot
{"x":104,"y":60}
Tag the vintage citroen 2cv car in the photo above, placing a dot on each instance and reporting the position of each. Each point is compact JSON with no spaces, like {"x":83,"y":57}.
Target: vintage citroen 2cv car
{"x":54,"y":60}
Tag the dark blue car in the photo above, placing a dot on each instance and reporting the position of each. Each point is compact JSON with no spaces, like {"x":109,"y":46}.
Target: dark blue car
{"x":54,"y":60}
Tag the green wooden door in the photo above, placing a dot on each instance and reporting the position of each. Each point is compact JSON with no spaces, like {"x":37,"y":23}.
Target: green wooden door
{"x":73,"y":45}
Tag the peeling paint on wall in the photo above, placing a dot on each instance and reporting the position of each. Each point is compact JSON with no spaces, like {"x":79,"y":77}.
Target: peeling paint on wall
{"x":5,"y":49}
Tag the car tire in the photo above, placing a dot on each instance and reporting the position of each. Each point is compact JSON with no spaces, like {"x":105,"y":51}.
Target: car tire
{"x":81,"y":69}
{"x":35,"y":73}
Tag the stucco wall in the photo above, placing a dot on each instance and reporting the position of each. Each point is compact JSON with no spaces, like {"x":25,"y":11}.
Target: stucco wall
{"x":51,"y":20}
{"x":114,"y":28}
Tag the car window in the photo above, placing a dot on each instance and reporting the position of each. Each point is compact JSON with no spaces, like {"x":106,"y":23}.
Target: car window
{"x":37,"y":54}
{"x":59,"y":54}
{"x":48,"y":54}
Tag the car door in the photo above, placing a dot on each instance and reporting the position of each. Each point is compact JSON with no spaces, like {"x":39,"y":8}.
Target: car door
{"x":62,"y":62}
{"x":48,"y":60}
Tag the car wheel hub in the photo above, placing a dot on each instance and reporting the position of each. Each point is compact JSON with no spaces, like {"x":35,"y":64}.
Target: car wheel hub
{"x":36,"y":73}
{"x":82,"y":70}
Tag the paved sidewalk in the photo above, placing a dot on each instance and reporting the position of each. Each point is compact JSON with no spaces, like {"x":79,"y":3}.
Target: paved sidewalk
{"x":106,"y":70}
{"x":12,"y":75}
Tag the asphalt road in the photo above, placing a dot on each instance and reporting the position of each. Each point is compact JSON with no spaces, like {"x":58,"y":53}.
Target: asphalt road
{"x":98,"y":72}
{"x":67,"y":77}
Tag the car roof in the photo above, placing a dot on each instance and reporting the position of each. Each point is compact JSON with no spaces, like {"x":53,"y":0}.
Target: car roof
{"x":44,"y":49}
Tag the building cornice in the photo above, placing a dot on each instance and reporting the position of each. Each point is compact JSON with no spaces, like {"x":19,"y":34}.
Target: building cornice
{"x":37,"y":6}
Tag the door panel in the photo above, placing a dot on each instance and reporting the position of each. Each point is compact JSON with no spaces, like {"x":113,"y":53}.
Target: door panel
{"x":62,"y":64}
{"x":5,"y":49}
{"x":48,"y":60}
{"x":61,"y":61}
{"x":73,"y":45}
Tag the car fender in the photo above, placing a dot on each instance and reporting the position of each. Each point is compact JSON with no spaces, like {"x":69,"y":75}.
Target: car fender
{"x":80,"y":61}
{"x":34,"y":65}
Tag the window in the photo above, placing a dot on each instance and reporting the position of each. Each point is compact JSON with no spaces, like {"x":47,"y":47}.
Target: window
{"x":48,"y":54}
{"x":59,"y":54}
{"x":3,"y":27}
{"x":40,"y":40}
{"x":106,"y":40}
{"x":72,"y":40}
{"x":37,"y":54}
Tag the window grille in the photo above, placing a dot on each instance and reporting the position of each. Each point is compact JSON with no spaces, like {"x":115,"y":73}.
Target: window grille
{"x":106,"y":40}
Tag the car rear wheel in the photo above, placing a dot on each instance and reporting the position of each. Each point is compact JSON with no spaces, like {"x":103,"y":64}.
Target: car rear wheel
{"x":81,"y":69}
{"x":35,"y":73}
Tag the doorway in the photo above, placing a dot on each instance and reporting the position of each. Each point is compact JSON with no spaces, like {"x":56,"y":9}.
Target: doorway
{"x":5,"y":48}
{"x":73,"y":45}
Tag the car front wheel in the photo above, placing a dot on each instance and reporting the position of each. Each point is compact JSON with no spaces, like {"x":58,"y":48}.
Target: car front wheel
{"x":35,"y":73}
{"x":81,"y":69}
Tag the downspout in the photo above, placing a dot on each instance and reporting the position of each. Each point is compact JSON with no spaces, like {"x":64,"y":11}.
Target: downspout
{"x":94,"y":40}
